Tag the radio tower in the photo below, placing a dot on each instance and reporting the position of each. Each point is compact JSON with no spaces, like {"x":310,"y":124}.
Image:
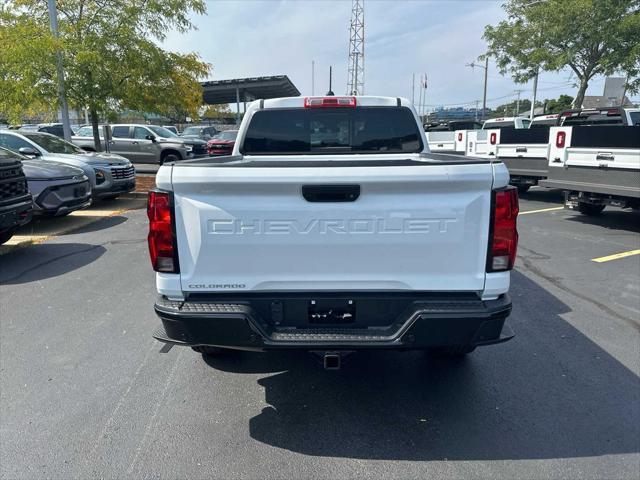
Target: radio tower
{"x":355,"y":83}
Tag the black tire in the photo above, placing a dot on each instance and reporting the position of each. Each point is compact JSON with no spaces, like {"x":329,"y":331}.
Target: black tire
{"x":169,"y":157}
{"x":6,"y":236}
{"x":523,"y":188}
{"x":207,"y":350}
{"x":590,"y":208}
{"x":455,"y":351}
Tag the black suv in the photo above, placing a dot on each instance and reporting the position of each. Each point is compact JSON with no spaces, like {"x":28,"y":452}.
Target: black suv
{"x":52,"y":128}
{"x":15,"y":200}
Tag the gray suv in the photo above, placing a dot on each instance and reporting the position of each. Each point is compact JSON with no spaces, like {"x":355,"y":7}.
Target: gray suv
{"x":57,"y":189}
{"x":109,"y":175}
{"x":145,"y":143}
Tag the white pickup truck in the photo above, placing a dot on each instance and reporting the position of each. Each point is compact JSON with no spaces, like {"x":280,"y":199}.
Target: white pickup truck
{"x":332,"y":228}
{"x":596,"y":165}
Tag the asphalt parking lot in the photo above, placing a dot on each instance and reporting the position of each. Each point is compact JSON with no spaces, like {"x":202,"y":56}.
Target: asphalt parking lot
{"x":85,"y":391}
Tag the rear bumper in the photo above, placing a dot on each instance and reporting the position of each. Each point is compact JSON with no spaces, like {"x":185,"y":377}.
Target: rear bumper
{"x":426,"y":321}
{"x":521,"y":169}
{"x":621,"y":182}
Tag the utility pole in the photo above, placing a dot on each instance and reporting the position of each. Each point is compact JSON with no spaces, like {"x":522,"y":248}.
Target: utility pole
{"x":484,"y":95}
{"x":424,"y":99}
{"x":518,"y":103}
{"x":473,"y":65}
{"x":53,"y":21}
{"x":420,"y":98}
{"x":477,"y":110}
{"x":413,"y":90}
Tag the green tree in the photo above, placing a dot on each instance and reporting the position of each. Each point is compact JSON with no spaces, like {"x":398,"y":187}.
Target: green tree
{"x":591,"y":37}
{"x":217,"y":111}
{"x":511,"y":109}
{"x":27,"y":87}
{"x":559,"y":105}
{"x":111,"y":54}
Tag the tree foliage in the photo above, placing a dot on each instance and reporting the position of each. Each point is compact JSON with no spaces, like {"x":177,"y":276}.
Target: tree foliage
{"x":559,"y":105}
{"x":217,"y":111}
{"x":591,"y":37}
{"x":112,"y":57}
{"x":512,"y":109}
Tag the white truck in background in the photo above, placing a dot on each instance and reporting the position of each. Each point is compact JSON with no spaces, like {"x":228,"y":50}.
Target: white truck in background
{"x":506,"y":122}
{"x":611,"y":116}
{"x":596,"y":166}
{"x":332,"y":228}
{"x":550,"y":120}
{"x":525,"y":152}
{"x":450,"y":137}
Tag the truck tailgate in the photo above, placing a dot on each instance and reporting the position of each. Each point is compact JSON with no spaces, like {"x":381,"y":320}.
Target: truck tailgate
{"x":410,"y":228}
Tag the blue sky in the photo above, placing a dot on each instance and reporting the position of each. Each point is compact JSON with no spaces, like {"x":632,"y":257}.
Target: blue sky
{"x":247,"y":38}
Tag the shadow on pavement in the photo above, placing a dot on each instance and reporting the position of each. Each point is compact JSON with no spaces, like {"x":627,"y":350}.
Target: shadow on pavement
{"x":549,"y":393}
{"x":102,"y":224}
{"x":612,"y":219}
{"x":46,"y":260}
{"x":70,"y":225}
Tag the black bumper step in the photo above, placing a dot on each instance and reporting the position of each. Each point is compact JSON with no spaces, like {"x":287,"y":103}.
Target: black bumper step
{"x":429,"y":320}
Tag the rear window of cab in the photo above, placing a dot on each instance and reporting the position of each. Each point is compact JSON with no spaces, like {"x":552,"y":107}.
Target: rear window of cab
{"x":323,"y":131}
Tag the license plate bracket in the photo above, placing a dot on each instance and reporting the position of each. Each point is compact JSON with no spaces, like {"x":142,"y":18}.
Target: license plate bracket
{"x":331,"y":311}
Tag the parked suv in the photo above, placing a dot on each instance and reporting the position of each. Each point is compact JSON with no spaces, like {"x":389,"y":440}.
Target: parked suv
{"x":15,"y":199}
{"x":203,"y":132}
{"x":145,"y":143}
{"x":52,"y":128}
{"x":222,"y":143}
{"x":110,"y":175}
{"x":57,"y":189}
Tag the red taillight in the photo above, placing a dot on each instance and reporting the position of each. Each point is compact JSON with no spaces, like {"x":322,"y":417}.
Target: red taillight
{"x":492,"y":138}
{"x":460,"y":136}
{"x":503,"y":240}
{"x":161,"y":239}
{"x":560,"y":139}
{"x":329,"y":102}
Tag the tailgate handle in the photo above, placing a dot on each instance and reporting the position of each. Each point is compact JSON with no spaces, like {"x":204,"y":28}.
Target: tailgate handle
{"x":605,"y":156}
{"x":331,"y":193}
{"x":521,"y":149}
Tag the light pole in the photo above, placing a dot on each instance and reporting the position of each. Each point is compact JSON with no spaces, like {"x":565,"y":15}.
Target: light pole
{"x":473,"y":65}
{"x":535,"y":79}
{"x":53,"y":21}
{"x":535,"y":91}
